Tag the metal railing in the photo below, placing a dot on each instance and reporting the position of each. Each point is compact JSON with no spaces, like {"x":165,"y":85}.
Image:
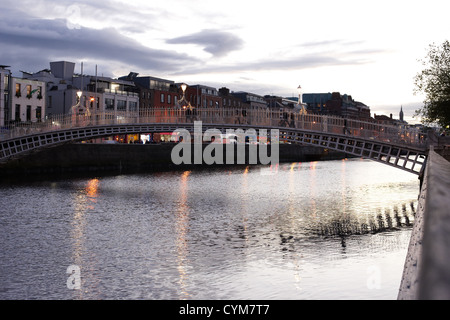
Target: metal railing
{"x":254,"y":118}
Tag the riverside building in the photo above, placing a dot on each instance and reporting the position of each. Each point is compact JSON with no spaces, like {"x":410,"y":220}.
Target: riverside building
{"x":98,"y":93}
{"x":202,"y":96}
{"x":5,"y":76}
{"x":337,"y":105}
{"x":22,"y":99}
{"x":255,"y":101}
{"x":154,"y":92}
{"x":27,"y":100}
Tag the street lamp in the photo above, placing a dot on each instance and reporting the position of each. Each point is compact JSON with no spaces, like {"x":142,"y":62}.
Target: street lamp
{"x":183,"y":87}
{"x":185,"y":104}
{"x":300,"y":100}
{"x":79,"y":93}
{"x":74,"y":108}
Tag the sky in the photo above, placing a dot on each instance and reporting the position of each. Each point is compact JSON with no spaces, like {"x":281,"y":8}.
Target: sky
{"x":370,"y":50}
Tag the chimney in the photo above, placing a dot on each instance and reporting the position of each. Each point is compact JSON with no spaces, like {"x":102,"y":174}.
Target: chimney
{"x":62,"y":69}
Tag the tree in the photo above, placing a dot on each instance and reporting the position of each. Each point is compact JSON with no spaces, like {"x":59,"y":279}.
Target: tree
{"x":434,"y":82}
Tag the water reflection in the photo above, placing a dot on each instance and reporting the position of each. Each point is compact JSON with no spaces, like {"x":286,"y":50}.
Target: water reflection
{"x":92,"y":188}
{"x":182,"y":229}
{"x":245,"y":201}
{"x":296,"y":258}
{"x":294,"y":231}
{"x":83,"y":202}
{"x":343,"y":185}
{"x":312,"y":190}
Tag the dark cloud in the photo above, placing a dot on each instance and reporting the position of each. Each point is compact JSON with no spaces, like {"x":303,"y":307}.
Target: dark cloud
{"x":32,"y":42}
{"x":307,"y":61}
{"x":218,"y":43}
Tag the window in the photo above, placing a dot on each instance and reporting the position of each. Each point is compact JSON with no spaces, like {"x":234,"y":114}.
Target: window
{"x":132,"y":105}
{"x":121,"y":105}
{"x":28,"y":113}
{"x":6,"y":82}
{"x":17,"y":112}
{"x":162,"y":97}
{"x":169,"y":98}
{"x":39,"y":96}
{"x":29,"y":91}
{"x":39,"y":114}
{"x":109,"y":104}
{"x":18,"y":94}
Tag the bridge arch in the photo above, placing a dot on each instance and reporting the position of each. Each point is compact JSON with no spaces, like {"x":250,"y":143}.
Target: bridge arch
{"x":408,"y":158}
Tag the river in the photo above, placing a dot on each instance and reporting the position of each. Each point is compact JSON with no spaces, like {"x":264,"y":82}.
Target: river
{"x":311,"y":230}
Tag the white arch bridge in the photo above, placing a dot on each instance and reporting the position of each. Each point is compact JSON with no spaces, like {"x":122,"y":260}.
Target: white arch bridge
{"x":398,"y":146}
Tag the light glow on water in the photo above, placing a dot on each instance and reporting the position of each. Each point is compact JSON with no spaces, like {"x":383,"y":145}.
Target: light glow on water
{"x":312,"y":230}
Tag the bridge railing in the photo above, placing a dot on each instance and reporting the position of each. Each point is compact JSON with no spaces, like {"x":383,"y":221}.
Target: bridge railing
{"x":232,"y":116}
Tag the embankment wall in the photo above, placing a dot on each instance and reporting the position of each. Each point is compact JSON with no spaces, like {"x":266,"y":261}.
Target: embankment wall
{"x":426,"y":274}
{"x":84,"y":157}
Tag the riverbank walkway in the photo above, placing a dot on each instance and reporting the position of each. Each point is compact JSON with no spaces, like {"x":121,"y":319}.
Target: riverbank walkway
{"x":426,"y":274}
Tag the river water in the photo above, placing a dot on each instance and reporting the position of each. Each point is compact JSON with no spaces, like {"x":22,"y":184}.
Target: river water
{"x":310,"y":230}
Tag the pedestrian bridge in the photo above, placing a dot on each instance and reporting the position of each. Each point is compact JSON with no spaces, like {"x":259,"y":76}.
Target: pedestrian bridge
{"x":398,"y":146}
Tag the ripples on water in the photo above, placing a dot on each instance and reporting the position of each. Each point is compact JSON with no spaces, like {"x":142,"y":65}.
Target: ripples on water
{"x":319,"y":230}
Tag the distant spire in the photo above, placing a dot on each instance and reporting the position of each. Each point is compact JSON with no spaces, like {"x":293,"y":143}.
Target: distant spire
{"x":401,"y":113}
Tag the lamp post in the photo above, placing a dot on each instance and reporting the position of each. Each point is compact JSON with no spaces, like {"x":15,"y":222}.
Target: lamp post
{"x":73,"y":109}
{"x":183,"y":87}
{"x":183,"y":98}
{"x":300,"y":100}
{"x":185,"y":104}
{"x":79,"y":93}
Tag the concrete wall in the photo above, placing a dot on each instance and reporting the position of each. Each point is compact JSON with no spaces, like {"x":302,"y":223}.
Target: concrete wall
{"x":427,"y":272}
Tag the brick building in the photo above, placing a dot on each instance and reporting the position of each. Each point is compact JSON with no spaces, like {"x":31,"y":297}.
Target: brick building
{"x":231,"y":101}
{"x":154,"y":92}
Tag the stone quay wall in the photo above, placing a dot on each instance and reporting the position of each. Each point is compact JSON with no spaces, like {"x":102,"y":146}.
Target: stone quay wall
{"x":426,"y":274}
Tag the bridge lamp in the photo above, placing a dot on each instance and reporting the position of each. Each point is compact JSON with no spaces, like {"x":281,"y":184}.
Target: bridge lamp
{"x":183,"y":87}
{"x":300,"y":104}
{"x":300,"y":100}
{"x":79,"y":93}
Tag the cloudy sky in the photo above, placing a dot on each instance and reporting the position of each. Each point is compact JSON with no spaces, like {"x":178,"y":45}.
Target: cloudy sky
{"x":368,"y":49}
